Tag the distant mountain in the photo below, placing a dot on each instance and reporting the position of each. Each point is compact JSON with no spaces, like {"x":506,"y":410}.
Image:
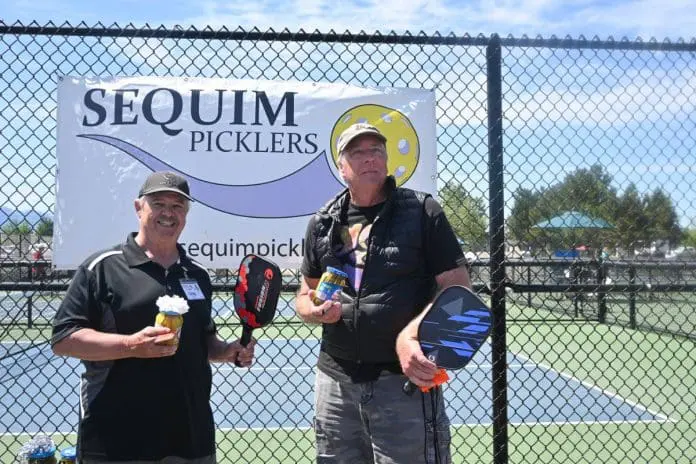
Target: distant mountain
{"x":32,"y":217}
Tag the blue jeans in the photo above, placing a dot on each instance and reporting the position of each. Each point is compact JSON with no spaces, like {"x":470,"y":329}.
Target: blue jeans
{"x":376,"y":423}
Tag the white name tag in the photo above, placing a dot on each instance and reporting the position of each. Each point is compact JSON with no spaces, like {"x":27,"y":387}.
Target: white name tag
{"x":191,"y":289}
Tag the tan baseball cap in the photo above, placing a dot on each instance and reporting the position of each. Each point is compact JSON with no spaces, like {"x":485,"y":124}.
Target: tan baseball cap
{"x":357,"y":130}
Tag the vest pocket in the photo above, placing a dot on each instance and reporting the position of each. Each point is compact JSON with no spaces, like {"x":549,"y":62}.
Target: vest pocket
{"x":401,"y":260}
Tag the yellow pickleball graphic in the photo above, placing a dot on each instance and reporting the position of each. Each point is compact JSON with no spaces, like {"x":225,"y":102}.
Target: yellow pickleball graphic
{"x":403,"y":148}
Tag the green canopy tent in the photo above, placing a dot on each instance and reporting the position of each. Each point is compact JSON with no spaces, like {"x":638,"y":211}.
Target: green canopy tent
{"x":580,"y":224}
{"x":576,"y":225}
{"x":573,"y":220}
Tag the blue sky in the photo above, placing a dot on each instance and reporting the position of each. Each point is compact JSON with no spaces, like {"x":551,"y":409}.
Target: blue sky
{"x":671,"y":19}
{"x":627,"y":120}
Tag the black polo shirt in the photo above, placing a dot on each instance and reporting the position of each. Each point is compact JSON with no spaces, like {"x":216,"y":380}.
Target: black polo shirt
{"x":141,"y":409}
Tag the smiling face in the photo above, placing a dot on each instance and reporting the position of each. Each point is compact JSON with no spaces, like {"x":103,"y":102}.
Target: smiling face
{"x":162,"y":216}
{"x":363,"y":163}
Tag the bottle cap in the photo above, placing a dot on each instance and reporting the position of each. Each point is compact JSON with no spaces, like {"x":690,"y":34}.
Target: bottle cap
{"x":69,"y":453}
{"x":336,"y":271}
{"x":43,"y":453}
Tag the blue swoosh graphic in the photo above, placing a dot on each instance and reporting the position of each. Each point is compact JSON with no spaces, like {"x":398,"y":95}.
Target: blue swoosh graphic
{"x":299,"y":193}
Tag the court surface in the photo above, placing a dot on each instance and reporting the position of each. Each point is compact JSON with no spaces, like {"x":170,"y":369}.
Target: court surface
{"x":38,"y":389}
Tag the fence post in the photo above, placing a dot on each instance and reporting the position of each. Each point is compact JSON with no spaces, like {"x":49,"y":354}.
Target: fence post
{"x":529,"y":282}
{"x":632,"y":297}
{"x":30,"y":306}
{"x":497,"y":248}
{"x":601,"y":295}
{"x":575,"y":279}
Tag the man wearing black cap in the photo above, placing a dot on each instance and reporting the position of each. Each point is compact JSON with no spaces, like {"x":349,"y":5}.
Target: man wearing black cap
{"x":145,"y":393}
{"x":397,"y":248}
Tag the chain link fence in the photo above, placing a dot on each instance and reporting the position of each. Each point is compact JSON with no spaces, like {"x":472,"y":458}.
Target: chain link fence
{"x":592,"y":355}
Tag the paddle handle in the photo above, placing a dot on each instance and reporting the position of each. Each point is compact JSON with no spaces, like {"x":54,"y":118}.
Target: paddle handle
{"x":246,"y":338}
{"x":439,"y":378}
{"x":409,"y":387}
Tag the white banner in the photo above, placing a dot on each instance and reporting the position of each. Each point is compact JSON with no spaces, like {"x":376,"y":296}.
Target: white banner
{"x":259,"y":157}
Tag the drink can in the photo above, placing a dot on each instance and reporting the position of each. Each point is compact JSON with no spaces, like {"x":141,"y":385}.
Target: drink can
{"x":172,"y":321}
{"x":332,"y":280}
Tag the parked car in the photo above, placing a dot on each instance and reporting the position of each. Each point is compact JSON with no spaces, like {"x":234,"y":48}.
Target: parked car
{"x":8,"y":251}
{"x":682,"y":254}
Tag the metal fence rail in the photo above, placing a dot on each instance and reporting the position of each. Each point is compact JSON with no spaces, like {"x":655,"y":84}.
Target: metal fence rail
{"x":591,"y":359}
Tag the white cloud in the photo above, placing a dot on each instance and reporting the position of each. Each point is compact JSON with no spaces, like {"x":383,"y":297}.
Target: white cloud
{"x":646,"y":18}
{"x":631,"y":18}
{"x":673,"y":18}
{"x":631,"y":100}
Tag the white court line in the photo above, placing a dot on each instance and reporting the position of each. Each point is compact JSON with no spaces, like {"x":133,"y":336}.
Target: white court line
{"x":578,"y":422}
{"x":526,"y":365}
{"x":43,"y":431}
{"x":305,"y":368}
{"x":26,"y":342}
{"x":597,"y":422}
{"x":264,"y":369}
{"x":606,"y":392}
{"x":314,"y":340}
{"x":664,"y":419}
{"x":530,"y":364}
{"x":471,"y":426}
{"x":453,"y":424}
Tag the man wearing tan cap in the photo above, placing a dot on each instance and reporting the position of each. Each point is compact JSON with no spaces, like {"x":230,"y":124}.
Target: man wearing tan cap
{"x":145,"y":395}
{"x":397,"y":248}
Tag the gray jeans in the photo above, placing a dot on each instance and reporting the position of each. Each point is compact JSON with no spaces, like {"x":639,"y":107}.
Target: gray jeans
{"x":376,"y":423}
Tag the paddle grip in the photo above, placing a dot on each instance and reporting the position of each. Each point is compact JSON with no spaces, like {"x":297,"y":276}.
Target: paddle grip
{"x":439,"y":378}
{"x":246,"y":338}
{"x":409,"y":388}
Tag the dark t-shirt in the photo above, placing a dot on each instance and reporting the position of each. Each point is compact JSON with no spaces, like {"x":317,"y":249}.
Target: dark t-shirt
{"x":442,"y":253}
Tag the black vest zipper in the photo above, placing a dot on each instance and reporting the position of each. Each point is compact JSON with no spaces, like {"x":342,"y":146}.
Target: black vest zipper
{"x":356,"y":302}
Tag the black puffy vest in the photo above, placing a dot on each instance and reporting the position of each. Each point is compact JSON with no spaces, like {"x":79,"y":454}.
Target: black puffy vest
{"x":394,"y":286}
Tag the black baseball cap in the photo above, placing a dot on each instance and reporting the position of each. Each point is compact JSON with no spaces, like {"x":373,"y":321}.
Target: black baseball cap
{"x":164,"y":181}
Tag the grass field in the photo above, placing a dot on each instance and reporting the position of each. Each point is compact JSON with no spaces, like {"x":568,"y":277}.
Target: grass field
{"x":655,"y":370}
{"x":665,"y":312}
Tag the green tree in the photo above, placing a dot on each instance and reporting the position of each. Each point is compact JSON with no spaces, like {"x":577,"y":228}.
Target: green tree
{"x":16,"y":228}
{"x":663,"y":220}
{"x":689,"y":238}
{"x":44,"y":227}
{"x":631,"y":220}
{"x":587,"y":190}
{"x":524,"y":214}
{"x":466,"y":214}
